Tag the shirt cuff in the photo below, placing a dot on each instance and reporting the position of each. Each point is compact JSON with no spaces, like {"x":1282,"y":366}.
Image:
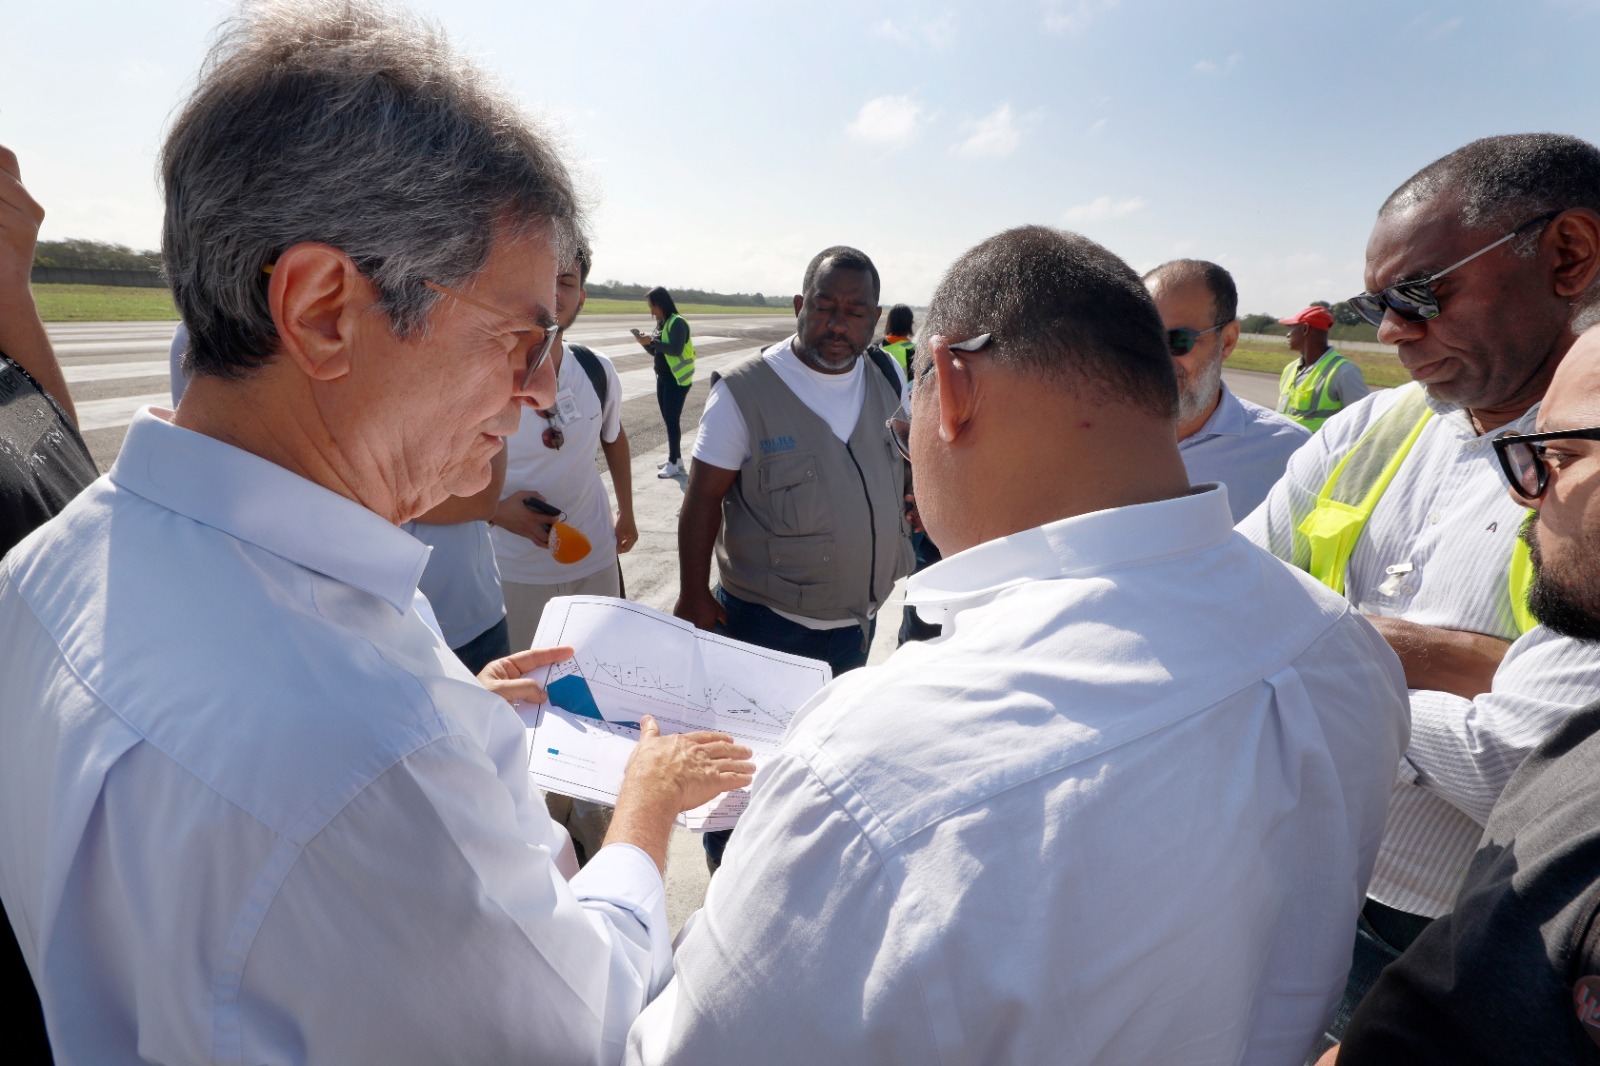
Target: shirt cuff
{"x":624,"y":878}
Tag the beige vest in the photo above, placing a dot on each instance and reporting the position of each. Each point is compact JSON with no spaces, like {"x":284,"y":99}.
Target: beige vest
{"x":813,"y":525}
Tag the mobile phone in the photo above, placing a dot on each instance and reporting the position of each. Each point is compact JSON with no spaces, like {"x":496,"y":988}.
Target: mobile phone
{"x":533,"y":503}
{"x":636,"y":333}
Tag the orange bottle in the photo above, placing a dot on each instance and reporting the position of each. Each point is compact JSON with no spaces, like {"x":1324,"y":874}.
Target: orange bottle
{"x":567,"y":543}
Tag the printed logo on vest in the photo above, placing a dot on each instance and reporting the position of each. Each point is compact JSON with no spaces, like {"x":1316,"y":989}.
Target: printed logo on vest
{"x":774,"y":445}
{"x":1586,"y":1002}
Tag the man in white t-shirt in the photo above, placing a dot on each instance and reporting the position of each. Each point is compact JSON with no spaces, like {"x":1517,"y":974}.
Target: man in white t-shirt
{"x":551,"y":458}
{"x":797,"y":485}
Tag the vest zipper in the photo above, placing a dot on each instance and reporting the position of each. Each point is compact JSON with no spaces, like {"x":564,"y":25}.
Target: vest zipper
{"x":872,"y":528}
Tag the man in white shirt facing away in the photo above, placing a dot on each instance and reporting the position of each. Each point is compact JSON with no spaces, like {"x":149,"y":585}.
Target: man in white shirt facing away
{"x":256,"y":811}
{"x":1120,"y":810}
{"x":1221,"y":437}
{"x":1474,"y":266}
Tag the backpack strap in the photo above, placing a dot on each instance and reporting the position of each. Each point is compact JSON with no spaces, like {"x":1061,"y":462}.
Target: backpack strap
{"x":592,"y":369}
{"x":886,"y":365}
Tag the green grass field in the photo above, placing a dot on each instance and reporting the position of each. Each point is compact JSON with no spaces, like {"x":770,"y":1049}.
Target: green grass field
{"x":112,"y":303}
{"x":1380,"y":370}
{"x":103,"y":303}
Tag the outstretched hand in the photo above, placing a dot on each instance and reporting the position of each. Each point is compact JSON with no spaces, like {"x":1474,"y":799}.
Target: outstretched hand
{"x":504,"y":677}
{"x":684,"y":770}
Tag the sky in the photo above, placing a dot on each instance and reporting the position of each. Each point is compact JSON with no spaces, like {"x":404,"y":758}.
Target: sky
{"x":722,"y":144}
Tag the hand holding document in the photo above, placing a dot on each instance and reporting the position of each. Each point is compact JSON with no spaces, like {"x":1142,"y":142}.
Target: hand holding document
{"x":630,"y":662}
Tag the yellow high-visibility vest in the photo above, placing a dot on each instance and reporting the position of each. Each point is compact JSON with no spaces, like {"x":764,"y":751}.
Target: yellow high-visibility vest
{"x":901,"y":350}
{"x":1326,"y":539}
{"x":682,"y":365}
{"x":1308,"y":402}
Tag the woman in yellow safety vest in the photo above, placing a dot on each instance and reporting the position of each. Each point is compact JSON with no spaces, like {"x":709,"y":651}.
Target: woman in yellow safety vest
{"x":897,"y":337}
{"x":674,"y":364}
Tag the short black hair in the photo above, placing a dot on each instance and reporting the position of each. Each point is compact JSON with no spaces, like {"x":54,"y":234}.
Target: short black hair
{"x":1218,"y":282}
{"x":585,"y":263}
{"x":840,"y":255}
{"x":663,"y":299}
{"x":1058,"y":303}
{"x":1507,"y":180}
{"x":900,"y":321}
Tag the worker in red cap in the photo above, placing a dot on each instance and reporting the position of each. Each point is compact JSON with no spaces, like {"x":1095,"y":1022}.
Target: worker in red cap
{"x":1321,"y":383}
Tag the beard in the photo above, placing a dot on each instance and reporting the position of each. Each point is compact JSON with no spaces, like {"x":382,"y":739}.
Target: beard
{"x":1564,"y":603}
{"x":814,"y":358}
{"x":1198,"y":391}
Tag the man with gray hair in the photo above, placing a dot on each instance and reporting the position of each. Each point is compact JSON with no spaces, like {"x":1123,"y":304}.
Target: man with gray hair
{"x":1053,"y":834}
{"x":256,"y":811}
{"x":1474,"y":266}
{"x":1221,"y":437}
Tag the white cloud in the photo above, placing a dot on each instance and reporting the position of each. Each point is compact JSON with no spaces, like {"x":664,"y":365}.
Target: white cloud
{"x":1206,"y":66}
{"x":1445,"y":28}
{"x":992,"y":136}
{"x":1102,"y":208}
{"x":1098,"y":126}
{"x":888,"y":121}
{"x":1074,"y":16}
{"x":937,"y":33}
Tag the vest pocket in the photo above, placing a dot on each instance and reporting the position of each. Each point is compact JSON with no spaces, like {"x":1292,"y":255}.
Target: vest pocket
{"x":792,"y":494}
{"x":801,"y":571}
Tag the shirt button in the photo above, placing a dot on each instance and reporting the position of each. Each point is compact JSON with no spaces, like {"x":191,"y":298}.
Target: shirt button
{"x":1433,"y":518}
{"x":1407,"y":590}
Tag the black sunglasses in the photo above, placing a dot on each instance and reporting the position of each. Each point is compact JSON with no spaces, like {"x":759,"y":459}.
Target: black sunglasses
{"x":1523,"y":462}
{"x":899,"y":423}
{"x":1181,"y":341}
{"x":1415,"y":301}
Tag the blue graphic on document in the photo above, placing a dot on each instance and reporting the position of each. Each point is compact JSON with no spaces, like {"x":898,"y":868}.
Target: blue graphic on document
{"x":571,"y":693}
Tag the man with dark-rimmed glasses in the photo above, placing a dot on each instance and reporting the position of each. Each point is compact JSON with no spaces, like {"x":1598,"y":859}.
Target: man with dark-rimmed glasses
{"x":1512,"y":974}
{"x":1473,"y":269}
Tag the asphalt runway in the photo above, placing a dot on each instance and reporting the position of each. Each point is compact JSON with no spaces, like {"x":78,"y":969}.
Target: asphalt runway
{"x":113,"y":369}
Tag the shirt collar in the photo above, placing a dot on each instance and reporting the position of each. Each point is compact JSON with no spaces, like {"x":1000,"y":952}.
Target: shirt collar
{"x":1075,"y":547}
{"x":1458,"y":417}
{"x":261,"y":503}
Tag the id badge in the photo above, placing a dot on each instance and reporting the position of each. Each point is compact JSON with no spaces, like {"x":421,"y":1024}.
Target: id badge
{"x":567,"y":407}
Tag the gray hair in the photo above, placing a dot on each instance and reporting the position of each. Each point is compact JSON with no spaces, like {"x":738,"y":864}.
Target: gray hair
{"x":343,"y":122}
{"x":1503,"y":182}
{"x":1059,"y":305}
{"x":1218,"y":282}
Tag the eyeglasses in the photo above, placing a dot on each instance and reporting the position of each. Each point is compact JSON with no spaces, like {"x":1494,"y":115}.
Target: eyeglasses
{"x":552,"y":437}
{"x":1181,"y":341}
{"x":1523,"y":462}
{"x":1415,"y":301}
{"x":537,"y":354}
{"x":899,"y":423}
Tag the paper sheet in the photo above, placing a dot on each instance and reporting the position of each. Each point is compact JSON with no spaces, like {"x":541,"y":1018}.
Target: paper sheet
{"x":632,"y":661}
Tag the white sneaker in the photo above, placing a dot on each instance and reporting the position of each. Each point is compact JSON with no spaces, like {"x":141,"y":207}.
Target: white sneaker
{"x":663,"y":464}
{"x":670,"y":470}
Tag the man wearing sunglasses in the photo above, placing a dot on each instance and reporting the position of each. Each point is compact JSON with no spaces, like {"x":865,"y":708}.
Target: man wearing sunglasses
{"x":1221,"y":437}
{"x":1512,"y":974}
{"x":1121,"y":810}
{"x":1321,"y":383}
{"x":1474,"y":268}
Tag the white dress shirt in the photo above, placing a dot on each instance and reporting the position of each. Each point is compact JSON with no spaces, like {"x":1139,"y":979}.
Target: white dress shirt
{"x":1122,"y":811}
{"x":257,"y":812}
{"x":1243,"y":446}
{"x":1437,"y":552}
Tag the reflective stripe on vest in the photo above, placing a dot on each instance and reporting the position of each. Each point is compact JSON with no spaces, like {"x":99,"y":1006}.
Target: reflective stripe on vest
{"x":900,"y":350}
{"x":1358,"y":482}
{"x":1308,"y":402}
{"x":682,"y":366}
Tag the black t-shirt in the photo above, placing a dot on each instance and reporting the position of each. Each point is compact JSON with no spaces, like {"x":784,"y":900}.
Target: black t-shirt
{"x":1512,"y":974}
{"x":43,"y":461}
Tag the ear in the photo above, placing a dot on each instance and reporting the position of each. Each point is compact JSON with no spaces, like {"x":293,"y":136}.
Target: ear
{"x":955,"y":390}
{"x":1230,"y":338}
{"x":317,"y":296}
{"x":799,"y":302}
{"x":877,"y":313}
{"x":1577,"y":248}
{"x":583,"y":298}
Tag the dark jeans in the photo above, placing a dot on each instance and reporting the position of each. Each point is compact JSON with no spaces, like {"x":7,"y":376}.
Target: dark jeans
{"x":1382,"y":934}
{"x":843,"y":649}
{"x":670,"y":397}
{"x":493,"y":643}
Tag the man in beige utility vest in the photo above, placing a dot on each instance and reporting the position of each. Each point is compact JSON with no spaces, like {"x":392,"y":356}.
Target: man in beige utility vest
{"x":1321,"y":383}
{"x":1473,"y":270}
{"x":797,"y":485}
